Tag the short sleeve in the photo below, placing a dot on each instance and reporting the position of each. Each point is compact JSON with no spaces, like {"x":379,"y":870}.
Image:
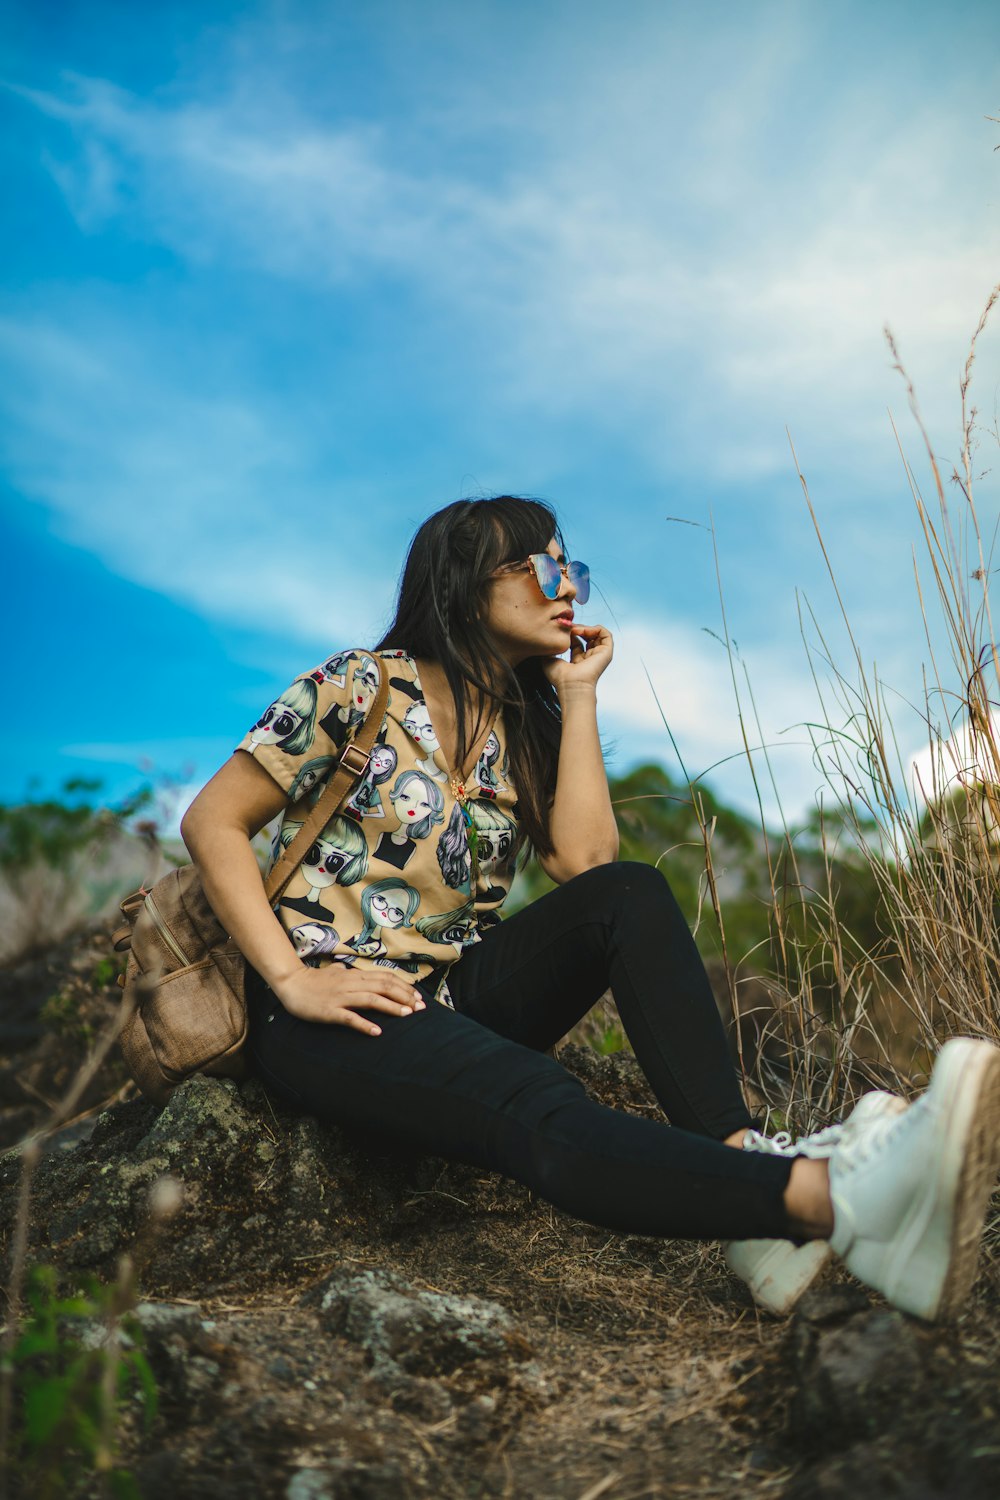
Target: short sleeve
{"x":300,"y":735}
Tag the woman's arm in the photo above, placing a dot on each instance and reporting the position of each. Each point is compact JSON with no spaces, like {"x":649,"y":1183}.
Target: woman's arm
{"x":582,"y":823}
{"x":217,"y":828}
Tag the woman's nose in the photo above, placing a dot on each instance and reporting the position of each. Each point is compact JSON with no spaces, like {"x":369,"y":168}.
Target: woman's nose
{"x":567,"y":588}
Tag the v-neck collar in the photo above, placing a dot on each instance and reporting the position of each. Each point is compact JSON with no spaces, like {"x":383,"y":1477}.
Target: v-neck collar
{"x":454,"y":775}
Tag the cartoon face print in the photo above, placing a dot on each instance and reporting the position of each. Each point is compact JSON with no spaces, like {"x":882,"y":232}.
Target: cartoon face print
{"x":410,"y":804}
{"x":486,"y":776}
{"x":388,"y":908}
{"x":314,"y":938}
{"x":418,"y":804}
{"x":453,"y":927}
{"x":497,"y":837}
{"x":309,"y":778}
{"x":275,"y":724}
{"x":386,"y":903}
{"x":333,"y":669}
{"x":383,"y":763}
{"x":367,"y":800}
{"x":322,"y":865}
{"x":289,"y":722}
{"x":364,"y":685}
{"x":417,"y":723}
{"x":494,"y":849}
{"x":339,"y":856}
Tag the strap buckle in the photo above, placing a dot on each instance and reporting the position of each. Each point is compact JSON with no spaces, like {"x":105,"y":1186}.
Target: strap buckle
{"x":355,"y":760}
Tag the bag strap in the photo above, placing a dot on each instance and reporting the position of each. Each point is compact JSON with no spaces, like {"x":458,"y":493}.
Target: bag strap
{"x":352,"y":766}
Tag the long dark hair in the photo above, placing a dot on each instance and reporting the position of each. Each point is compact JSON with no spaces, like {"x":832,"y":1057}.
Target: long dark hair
{"x":440,"y":616}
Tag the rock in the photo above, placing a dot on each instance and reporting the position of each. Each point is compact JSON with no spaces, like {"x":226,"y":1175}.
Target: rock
{"x":832,"y":1304}
{"x":261,"y":1191}
{"x":423,"y":1333}
{"x":347,"y":1479}
{"x":242,"y":1210}
{"x":881,"y":1470}
{"x":854,"y":1374}
{"x":310,"y":1484}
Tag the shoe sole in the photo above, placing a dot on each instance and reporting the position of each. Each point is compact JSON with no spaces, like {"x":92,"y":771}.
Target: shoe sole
{"x":777,"y":1272}
{"x":948,"y":1221}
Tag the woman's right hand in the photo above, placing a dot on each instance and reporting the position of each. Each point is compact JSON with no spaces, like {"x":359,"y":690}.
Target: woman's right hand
{"x":336,"y":993}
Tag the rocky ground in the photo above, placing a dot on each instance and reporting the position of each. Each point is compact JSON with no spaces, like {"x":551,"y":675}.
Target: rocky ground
{"x":328,"y":1323}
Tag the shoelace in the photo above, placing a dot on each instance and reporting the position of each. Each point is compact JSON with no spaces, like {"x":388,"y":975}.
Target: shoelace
{"x":768,"y":1145}
{"x":819,"y":1145}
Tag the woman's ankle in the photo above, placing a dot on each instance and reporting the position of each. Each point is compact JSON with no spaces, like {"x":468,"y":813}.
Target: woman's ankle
{"x":807,"y":1200}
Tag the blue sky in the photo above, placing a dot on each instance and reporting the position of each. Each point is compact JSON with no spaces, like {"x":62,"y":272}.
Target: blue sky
{"x":281,"y":279}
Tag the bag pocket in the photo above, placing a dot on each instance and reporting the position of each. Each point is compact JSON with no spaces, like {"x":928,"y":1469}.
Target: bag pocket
{"x":193,"y":1019}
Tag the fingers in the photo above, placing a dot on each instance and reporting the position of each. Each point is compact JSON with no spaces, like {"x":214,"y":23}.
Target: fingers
{"x":382,"y":1003}
{"x":346,"y":1015}
{"x":356,"y":1023}
{"x":335,"y":993}
{"x":382,"y":982}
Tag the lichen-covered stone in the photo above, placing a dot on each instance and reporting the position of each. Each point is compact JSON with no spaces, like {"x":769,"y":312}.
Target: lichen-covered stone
{"x":422,"y":1332}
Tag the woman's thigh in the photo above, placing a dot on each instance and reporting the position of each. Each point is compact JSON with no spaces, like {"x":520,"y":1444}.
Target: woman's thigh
{"x":435,"y":1080}
{"x":537,"y":973}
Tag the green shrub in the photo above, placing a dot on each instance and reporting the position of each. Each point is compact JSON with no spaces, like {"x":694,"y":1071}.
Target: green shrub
{"x":76,"y":1363}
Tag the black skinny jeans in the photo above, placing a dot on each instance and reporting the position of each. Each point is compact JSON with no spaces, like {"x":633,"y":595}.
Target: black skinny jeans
{"x":475,"y":1084}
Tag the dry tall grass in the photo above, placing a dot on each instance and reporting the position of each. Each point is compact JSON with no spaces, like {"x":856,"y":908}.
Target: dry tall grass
{"x":850,"y":1010}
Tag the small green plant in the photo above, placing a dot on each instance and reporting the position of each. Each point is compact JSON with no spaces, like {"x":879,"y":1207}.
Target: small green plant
{"x":77,"y":1362}
{"x":611,"y":1039}
{"x":61,"y":1013}
{"x":106,"y":971}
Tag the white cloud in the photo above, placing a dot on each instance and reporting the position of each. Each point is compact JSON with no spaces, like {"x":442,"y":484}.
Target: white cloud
{"x":948,"y":763}
{"x":699,"y":309}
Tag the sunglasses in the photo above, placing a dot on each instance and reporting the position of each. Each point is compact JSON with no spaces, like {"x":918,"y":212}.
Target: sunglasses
{"x":549,"y":575}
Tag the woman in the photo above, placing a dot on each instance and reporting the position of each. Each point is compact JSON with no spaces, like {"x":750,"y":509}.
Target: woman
{"x":449,"y":1043}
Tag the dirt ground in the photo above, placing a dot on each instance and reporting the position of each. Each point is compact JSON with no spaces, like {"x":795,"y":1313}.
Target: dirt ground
{"x":325,"y":1323}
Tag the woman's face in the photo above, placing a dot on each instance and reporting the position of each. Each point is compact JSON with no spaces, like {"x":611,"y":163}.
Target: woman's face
{"x":275,"y":725}
{"x":410,"y":804}
{"x":493,"y":848}
{"x":383,"y":761}
{"x":389,"y":908}
{"x":324,"y":862}
{"x":308,"y":937}
{"x":417,"y":723}
{"x":523,"y":621}
{"x":364,"y":684}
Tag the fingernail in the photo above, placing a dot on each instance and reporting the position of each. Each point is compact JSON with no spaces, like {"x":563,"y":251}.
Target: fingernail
{"x":376,"y":1031}
{"x":420,"y":1005}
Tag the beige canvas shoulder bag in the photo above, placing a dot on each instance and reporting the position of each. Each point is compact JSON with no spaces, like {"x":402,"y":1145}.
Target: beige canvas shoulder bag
{"x":185,"y":976}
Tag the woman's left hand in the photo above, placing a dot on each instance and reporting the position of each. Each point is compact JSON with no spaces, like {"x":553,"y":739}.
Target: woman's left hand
{"x":591,"y":650}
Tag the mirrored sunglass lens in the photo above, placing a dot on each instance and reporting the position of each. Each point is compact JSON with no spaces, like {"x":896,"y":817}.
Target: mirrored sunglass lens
{"x":579,"y":576}
{"x":547,"y":572}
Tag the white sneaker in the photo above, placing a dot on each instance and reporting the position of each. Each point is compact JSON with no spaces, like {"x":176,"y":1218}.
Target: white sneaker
{"x":777,"y":1272}
{"x":910,"y":1193}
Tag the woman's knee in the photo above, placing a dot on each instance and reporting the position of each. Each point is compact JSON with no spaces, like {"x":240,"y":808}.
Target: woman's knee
{"x":627,"y":884}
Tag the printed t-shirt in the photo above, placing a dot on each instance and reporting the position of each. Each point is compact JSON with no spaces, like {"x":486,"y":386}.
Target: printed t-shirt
{"x":391,"y":880}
